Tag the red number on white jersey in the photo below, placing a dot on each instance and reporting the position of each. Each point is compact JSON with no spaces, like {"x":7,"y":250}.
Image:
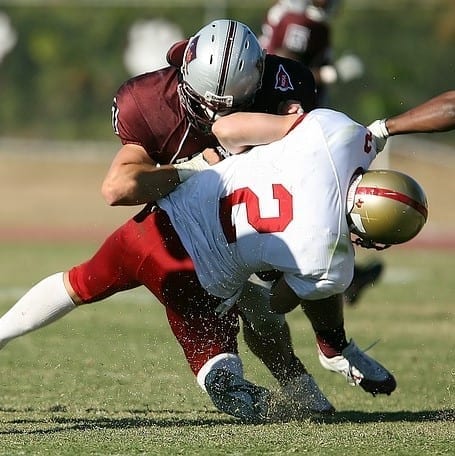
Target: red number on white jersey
{"x":251,"y":200}
{"x":368,"y":142}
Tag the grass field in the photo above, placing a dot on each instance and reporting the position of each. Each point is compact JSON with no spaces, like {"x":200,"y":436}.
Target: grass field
{"x":110,"y":380}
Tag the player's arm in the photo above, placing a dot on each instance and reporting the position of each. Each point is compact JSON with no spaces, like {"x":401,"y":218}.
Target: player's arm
{"x":239,"y":131}
{"x":437,"y":114}
{"x":434,"y":115}
{"x":134,"y":178}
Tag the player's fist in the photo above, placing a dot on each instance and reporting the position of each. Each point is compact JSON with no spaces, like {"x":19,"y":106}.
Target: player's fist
{"x":380,"y":133}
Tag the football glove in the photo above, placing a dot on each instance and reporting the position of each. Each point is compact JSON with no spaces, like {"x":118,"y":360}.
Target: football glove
{"x":186,"y":169}
{"x":380,"y":132}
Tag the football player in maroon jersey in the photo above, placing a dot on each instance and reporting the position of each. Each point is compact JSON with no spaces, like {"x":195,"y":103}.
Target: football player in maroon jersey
{"x":300,"y":30}
{"x":164,"y":118}
{"x":208,"y":338}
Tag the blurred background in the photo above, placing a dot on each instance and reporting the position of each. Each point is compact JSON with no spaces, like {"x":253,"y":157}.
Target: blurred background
{"x":61,"y":62}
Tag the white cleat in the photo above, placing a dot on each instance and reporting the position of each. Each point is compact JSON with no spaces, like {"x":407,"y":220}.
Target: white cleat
{"x":360,"y":369}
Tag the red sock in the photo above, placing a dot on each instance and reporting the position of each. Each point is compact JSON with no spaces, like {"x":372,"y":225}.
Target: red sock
{"x":332,"y":342}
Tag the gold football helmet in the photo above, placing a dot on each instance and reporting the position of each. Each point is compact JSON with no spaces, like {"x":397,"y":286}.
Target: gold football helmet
{"x":386,"y":207}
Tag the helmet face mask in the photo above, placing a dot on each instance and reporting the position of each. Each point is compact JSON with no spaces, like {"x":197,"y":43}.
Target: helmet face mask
{"x":204,"y":111}
{"x":387,"y":207}
{"x":221,"y":72}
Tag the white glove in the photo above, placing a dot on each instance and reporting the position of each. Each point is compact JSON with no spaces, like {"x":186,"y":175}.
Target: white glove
{"x":188,"y":168}
{"x":380,"y":133}
{"x":379,"y":128}
{"x":349,"y":67}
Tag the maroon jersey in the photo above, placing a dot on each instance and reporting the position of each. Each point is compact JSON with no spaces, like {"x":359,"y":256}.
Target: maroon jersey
{"x":307,"y":39}
{"x":147,"y":109}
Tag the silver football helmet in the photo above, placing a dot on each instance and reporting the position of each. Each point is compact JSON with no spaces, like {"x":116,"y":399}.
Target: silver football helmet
{"x":221,"y":72}
{"x":386,"y":207}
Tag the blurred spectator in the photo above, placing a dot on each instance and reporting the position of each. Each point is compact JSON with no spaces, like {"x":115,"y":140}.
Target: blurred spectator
{"x":8,"y":36}
{"x":148,"y":42}
{"x":300,"y":30}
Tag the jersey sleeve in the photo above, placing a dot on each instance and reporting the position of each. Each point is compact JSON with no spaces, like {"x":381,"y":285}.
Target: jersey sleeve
{"x":127,"y":120}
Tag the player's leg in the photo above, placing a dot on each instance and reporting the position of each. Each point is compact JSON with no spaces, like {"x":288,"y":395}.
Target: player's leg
{"x":107,"y":272}
{"x":210,"y":346}
{"x":339,"y":355}
{"x":44,"y":303}
{"x":268,"y":337}
{"x":208,"y":341}
{"x":364,"y":276}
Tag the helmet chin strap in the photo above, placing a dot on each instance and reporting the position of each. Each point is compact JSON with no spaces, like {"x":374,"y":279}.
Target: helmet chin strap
{"x":369,"y":244}
{"x":365,"y":243}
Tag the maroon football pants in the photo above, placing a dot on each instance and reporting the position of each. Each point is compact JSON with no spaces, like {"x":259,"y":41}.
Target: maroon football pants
{"x":147,"y":251}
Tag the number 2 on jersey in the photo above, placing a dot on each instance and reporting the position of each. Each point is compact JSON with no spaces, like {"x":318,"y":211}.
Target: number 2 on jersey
{"x":261,"y":224}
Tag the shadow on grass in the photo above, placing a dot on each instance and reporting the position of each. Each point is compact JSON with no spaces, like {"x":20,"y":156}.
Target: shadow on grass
{"x":56,"y":424}
{"x":390,"y":417}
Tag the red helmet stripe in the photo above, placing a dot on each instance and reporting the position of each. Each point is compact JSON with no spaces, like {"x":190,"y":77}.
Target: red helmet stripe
{"x":386,"y":193}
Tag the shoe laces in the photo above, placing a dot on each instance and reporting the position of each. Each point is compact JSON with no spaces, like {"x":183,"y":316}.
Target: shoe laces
{"x":371,"y":345}
{"x":360,"y":364}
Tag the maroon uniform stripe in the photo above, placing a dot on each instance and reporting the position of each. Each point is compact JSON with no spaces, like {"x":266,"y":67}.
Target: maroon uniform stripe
{"x":397,"y":196}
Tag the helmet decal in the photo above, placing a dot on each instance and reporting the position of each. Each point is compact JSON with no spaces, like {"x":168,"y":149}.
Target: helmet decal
{"x":282,"y":80}
{"x":190,"y":53}
{"x":359,"y":202}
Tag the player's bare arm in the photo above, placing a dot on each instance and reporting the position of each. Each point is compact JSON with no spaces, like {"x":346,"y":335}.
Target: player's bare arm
{"x":239,"y":131}
{"x":436,"y":114}
{"x":323,"y":313}
{"x":134,"y":178}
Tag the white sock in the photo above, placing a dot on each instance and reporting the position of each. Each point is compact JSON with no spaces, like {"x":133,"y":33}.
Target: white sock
{"x":44,"y":303}
{"x":227,"y":361}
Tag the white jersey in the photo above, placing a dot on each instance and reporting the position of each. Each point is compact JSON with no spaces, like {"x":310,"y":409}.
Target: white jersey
{"x":279,"y":206}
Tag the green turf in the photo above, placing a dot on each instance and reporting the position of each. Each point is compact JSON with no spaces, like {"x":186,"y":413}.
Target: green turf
{"x":109,"y":379}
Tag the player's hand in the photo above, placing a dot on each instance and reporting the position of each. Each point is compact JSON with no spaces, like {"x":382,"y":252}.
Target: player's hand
{"x":186,"y":169}
{"x":380,"y":133}
{"x":290,"y":107}
{"x":211,"y":156}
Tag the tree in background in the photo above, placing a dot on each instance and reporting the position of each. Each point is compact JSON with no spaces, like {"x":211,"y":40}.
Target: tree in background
{"x":59,"y":79}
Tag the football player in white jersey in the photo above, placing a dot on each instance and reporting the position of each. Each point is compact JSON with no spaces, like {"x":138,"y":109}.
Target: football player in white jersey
{"x":289,"y":206}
